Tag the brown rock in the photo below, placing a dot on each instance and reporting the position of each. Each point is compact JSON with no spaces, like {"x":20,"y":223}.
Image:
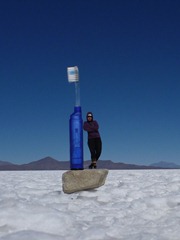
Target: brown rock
{"x":78,"y":180}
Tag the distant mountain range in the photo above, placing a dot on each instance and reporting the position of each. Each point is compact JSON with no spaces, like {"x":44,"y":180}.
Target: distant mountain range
{"x":49,"y":163}
{"x":166,"y":165}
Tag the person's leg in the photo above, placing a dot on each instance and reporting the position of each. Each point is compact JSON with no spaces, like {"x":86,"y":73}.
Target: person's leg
{"x":98,"y":148}
{"x":92,"y":148}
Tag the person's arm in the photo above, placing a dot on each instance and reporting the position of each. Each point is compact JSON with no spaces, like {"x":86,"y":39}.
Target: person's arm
{"x":91,"y":126}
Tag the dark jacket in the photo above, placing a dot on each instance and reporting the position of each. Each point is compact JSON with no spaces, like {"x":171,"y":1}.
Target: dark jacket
{"x":92,"y":129}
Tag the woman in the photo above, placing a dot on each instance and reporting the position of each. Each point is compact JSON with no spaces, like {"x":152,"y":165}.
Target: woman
{"x":94,"y":139}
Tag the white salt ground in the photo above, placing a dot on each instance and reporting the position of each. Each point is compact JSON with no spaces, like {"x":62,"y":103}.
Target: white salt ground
{"x":132,"y":205}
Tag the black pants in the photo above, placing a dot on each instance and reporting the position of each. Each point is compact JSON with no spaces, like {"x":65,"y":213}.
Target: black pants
{"x":95,"y":147}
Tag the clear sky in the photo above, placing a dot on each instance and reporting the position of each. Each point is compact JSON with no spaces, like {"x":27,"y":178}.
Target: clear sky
{"x":128,"y":54}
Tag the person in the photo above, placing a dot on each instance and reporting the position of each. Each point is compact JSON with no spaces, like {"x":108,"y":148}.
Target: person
{"x":94,"y":139}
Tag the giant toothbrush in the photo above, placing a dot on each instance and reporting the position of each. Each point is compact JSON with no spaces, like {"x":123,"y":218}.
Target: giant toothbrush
{"x":75,"y":124}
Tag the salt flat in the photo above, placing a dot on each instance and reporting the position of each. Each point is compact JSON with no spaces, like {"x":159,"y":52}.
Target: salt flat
{"x":132,"y":205}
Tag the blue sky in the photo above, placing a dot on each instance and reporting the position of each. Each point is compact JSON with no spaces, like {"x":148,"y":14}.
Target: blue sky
{"x":128,"y":55}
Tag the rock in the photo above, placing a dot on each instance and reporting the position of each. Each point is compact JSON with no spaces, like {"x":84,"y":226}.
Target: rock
{"x":78,"y":180}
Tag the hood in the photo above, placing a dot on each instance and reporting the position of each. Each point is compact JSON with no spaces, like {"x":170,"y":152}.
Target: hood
{"x":89,"y":114}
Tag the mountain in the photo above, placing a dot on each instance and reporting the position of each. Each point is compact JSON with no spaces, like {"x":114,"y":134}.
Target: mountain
{"x":2,"y":163}
{"x":108,"y":164}
{"x":8,"y":166}
{"x":169,"y":165}
{"x":49,"y":163}
{"x":46,"y":163}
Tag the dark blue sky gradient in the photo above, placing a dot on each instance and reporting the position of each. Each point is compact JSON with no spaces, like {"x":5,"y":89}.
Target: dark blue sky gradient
{"x":128,"y":54}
